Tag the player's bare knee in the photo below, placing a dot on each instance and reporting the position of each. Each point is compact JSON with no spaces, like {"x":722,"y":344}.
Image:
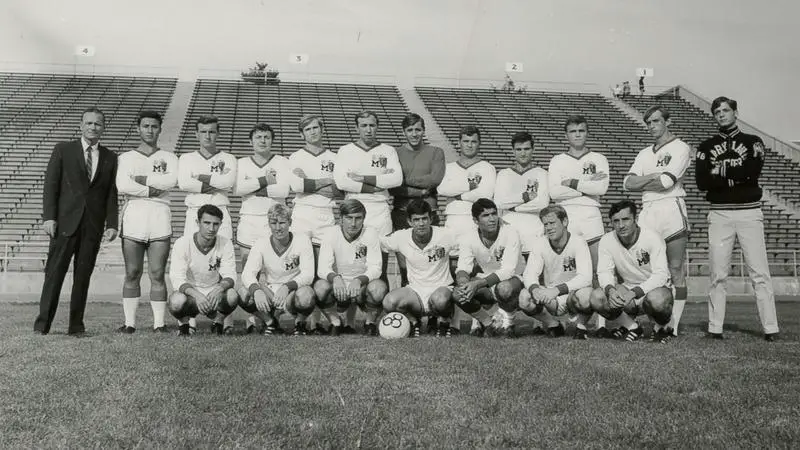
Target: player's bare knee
{"x":156,"y":274}
{"x":507,"y":291}
{"x":391,"y":302}
{"x":322,"y":288}
{"x":133,"y":274}
{"x":579,"y":302}
{"x":177,"y":303}
{"x":377,"y":289}
{"x":304,"y":300}
{"x":229,"y":301}
{"x":658,"y":305}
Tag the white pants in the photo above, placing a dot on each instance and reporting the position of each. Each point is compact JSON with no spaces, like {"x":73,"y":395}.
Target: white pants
{"x":724,"y":226}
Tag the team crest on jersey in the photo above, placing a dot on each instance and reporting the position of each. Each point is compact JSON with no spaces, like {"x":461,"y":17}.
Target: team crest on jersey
{"x":589,"y":168}
{"x":291,"y":262}
{"x":758,"y":149}
{"x":498,"y":252}
{"x":361,"y":252}
{"x":664,"y":160}
{"x":214,"y":263}
{"x":272,"y":172}
{"x":568,"y":264}
{"x":379,"y":161}
{"x":159,"y":166}
{"x":326,"y":166}
{"x":642,"y":257}
{"x":435,"y":253}
{"x":474,"y":179}
{"x":218,"y":167}
{"x":533,"y":187}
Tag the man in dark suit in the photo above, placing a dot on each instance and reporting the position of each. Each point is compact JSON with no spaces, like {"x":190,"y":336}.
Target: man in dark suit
{"x":80,"y":210}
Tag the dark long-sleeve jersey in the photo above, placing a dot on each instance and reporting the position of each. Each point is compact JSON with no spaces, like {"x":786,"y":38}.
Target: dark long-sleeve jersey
{"x":728,"y":166}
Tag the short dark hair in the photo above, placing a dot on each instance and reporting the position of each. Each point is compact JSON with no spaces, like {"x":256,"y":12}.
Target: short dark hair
{"x":620,"y":206}
{"x":469,"y":130}
{"x":352,"y":206}
{"x":150,"y":115}
{"x":95,"y":110}
{"x":521,"y":137}
{"x":480,"y":205}
{"x":576,"y":119}
{"x":211,"y":210}
{"x":418,"y":207}
{"x":365,"y":114}
{"x":720,"y":100}
{"x":653,"y":109}
{"x":262,"y":127}
{"x":558,"y":210}
{"x":205,"y":120}
{"x":411,"y":119}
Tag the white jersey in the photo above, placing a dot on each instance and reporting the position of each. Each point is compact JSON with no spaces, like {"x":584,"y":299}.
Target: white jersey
{"x":379,"y":164}
{"x":359,"y":257}
{"x":191,"y":267}
{"x":428,"y":267}
{"x":471,"y":183}
{"x":222,"y":169}
{"x":314,"y":167}
{"x":257,"y":199}
{"x":671,"y":159}
{"x":511,"y":185}
{"x":503,"y":258}
{"x":585,"y":192}
{"x":644,"y":265}
{"x":569,"y":270}
{"x":160,"y":168}
{"x":296,"y":263}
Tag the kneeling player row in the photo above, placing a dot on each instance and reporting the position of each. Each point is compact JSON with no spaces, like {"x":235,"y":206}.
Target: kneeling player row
{"x":556,"y":280}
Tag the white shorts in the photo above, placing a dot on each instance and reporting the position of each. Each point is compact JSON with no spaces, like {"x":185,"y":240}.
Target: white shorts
{"x":378,"y":217}
{"x":204,"y":290}
{"x":146,"y":221}
{"x":667,"y":217}
{"x":190,"y":226}
{"x":528,"y":226}
{"x":250,"y":229}
{"x":424,"y":293}
{"x":461,"y":225}
{"x":586,"y":222}
{"x":312,"y":221}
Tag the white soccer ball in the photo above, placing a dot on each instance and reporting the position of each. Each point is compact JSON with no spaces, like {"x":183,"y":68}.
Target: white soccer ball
{"x":394,"y":326}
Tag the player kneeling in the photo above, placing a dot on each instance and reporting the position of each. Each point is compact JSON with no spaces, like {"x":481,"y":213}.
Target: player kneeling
{"x":566,"y":262}
{"x":639,"y":256}
{"x":495,"y":248}
{"x":287,"y":261}
{"x":203,"y":269}
{"x":426,"y":249}
{"x":355,"y":251}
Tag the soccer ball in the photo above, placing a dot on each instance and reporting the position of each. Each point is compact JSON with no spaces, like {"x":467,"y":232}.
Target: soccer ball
{"x":394,"y":326}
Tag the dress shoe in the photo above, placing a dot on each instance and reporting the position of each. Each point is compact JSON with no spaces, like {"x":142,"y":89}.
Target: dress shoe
{"x":717,"y":336}
{"x":771,"y":337}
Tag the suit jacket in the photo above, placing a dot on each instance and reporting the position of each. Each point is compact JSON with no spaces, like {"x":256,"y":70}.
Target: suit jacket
{"x":68,"y":195}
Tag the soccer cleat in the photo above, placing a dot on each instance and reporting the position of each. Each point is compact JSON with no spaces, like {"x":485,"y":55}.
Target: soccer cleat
{"x":299,"y":329}
{"x":184,"y":330}
{"x":227,"y":331}
{"x":580,"y":334}
{"x":192,"y":330}
{"x":216,"y":328}
{"x":347,"y":329}
{"x":250,"y":329}
{"x":126,"y":329}
{"x":662,"y":336}
{"x":271,"y":329}
{"x":538,"y":331}
{"x":415,"y":330}
{"x":504,"y":332}
{"x":771,"y":337}
{"x":556,"y":331}
{"x":619,"y":333}
{"x":336,"y":330}
{"x":634,"y":335}
{"x":716,"y":336}
{"x":161,"y":329}
{"x":433,"y":326}
{"x":370,"y":329}
{"x":444,"y":330}
{"x":319,"y":330}
{"x":453,"y":331}
{"x":602,"y":333}
{"x":478,"y":331}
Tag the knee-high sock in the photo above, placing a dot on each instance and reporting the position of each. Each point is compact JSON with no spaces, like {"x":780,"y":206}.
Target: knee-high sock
{"x":159,"y":310}
{"x":624,"y":320}
{"x":601,"y":321}
{"x":228,"y":321}
{"x":458,"y":316}
{"x":677,"y":308}
{"x":580,"y":320}
{"x":547,"y":319}
{"x":193,"y":322}
{"x":350,"y":315}
{"x":314,"y":319}
{"x":129,"y":306}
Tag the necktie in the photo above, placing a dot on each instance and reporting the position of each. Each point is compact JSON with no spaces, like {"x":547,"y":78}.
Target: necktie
{"x":89,"y":162}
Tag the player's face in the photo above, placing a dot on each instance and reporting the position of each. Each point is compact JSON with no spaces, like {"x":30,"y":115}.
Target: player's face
{"x":470,"y":145}
{"x":279,"y":226}
{"x":208,"y":226}
{"x":420,"y":224}
{"x":368,"y":129}
{"x":312,"y":133}
{"x":576,"y":135}
{"x":92,"y":126}
{"x":207,"y":135}
{"x":554,"y":228}
{"x":725,"y":115}
{"x":149,"y":130}
{"x":657,"y":125}
{"x":261,"y":141}
{"x":352,"y":224}
{"x":523,"y":153}
{"x":624,"y":223}
{"x":488,"y":221}
{"x":414,"y":134}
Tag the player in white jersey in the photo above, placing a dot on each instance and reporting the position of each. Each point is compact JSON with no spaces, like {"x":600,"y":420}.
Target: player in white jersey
{"x":465,"y":180}
{"x":577,"y":179}
{"x":144,"y":176}
{"x":657,"y":172}
{"x":521,"y":191}
{"x":564,"y":260}
{"x":203,"y":272}
{"x":638,"y":256}
{"x":494,"y":248}
{"x":425,"y":248}
{"x":349,"y":270}
{"x":207,"y":175}
{"x":287,"y":262}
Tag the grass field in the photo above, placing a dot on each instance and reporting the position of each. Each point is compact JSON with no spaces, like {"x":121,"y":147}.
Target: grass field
{"x":145,"y":390}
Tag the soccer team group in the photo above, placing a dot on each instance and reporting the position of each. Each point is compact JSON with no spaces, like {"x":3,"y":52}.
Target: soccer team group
{"x":524,"y":239}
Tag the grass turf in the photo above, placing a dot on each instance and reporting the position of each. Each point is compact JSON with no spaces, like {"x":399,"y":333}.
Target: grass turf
{"x":147,"y":390}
